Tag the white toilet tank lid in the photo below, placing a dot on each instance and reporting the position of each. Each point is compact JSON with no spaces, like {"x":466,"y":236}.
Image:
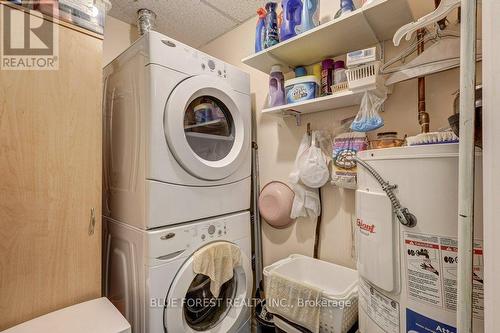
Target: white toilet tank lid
{"x":96,"y":316}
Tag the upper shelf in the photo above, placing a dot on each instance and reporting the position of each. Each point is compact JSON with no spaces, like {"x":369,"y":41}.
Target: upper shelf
{"x":362,"y":28}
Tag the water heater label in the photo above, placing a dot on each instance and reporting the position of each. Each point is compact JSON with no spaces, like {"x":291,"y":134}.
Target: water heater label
{"x":423,"y":268}
{"x":417,"y":323}
{"x":449,"y":260}
{"x":431,"y":272}
{"x":380,"y":308}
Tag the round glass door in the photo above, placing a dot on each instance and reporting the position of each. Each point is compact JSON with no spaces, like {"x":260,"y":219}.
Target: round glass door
{"x":209,"y":128}
{"x":202,"y":310}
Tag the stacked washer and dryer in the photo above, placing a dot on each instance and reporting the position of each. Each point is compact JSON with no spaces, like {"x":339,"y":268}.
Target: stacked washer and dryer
{"x":177,"y":168}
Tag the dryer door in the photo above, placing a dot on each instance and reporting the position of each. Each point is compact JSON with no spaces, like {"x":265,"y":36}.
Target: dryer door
{"x":191,"y":307}
{"x":205,"y":128}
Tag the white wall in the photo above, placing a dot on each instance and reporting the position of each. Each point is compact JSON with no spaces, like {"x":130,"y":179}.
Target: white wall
{"x":278,"y":141}
{"x":118,"y":36}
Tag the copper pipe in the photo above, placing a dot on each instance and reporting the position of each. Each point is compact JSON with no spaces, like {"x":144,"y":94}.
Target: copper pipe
{"x":441,"y":23}
{"x":423,"y":116}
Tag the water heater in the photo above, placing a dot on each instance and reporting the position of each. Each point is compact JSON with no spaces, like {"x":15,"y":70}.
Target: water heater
{"x":408,"y":276}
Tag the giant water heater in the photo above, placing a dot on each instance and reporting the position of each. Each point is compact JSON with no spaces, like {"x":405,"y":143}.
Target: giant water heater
{"x":408,"y":275}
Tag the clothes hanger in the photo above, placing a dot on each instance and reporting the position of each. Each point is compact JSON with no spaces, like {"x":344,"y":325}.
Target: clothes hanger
{"x":444,"y":8}
{"x":434,"y":37}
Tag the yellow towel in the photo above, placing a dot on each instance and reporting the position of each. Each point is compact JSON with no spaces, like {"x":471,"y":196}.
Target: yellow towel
{"x":293,"y":300}
{"x":217,"y":261}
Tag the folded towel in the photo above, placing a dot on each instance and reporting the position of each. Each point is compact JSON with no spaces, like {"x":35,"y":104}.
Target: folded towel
{"x":293,"y":300}
{"x":217,"y":261}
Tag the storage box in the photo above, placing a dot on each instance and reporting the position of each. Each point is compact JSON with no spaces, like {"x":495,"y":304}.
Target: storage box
{"x":337,"y":283}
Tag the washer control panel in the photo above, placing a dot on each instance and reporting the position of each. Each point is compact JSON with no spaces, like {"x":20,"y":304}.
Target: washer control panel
{"x":212,"y":231}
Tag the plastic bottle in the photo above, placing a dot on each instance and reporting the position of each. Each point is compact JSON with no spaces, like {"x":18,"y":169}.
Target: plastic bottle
{"x":339,"y":74}
{"x":317,"y":74}
{"x":260,"y":31}
{"x":276,"y":87}
{"x":310,"y":15}
{"x":326,"y":76}
{"x":272,"y":37}
{"x":292,"y":12}
{"x":346,"y":6}
{"x":300,"y":71}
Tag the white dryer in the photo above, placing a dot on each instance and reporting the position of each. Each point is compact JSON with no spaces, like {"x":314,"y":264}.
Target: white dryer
{"x":149,"y":277}
{"x":177,"y":135}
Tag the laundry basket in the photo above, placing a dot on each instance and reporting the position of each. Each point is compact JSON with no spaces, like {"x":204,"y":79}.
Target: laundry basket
{"x":337,"y":283}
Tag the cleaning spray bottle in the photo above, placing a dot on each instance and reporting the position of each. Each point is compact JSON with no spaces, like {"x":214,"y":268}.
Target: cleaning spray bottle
{"x":292,"y":12}
{"x":260,"y":31}
{"x":310,"y":15}
{"x":271,"y":35}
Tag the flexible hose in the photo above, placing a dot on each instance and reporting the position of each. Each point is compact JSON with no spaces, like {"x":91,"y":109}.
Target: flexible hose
{"x":403,"y":214}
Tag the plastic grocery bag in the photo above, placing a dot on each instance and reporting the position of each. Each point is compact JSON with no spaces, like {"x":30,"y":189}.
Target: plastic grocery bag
{"x":313,"y":165}
{"x":306,"y":200}
{"x":368,"y":118}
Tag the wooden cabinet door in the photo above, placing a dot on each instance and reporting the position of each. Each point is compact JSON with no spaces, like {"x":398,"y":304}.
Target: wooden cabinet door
{"x":50,"y":180}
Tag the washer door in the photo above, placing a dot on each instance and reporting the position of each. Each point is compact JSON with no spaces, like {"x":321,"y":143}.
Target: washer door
{"x":191,"y":307}
{"x":205,"y":129}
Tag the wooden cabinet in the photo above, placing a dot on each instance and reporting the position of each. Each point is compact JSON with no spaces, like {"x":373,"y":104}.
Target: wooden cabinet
{"x":50,"y":182}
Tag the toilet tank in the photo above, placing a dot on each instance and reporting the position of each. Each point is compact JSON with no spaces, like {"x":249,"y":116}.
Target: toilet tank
{"x":96,"y":316}
{"x":408,"y":276}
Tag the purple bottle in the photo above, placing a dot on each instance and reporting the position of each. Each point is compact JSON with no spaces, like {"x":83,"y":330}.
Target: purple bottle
{"x":276,"y":87}
{"x":292,"y":16}
{"x":327,"y":76}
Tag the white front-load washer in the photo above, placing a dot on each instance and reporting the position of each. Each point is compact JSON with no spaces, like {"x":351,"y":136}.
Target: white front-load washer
{"x":149,"y":277}
{"x":177,"y":135}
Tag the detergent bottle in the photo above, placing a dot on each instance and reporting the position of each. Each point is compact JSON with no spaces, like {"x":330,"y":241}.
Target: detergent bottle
{"x":310,"y":15}
{"x":271,"y":34}
{"x":276,"y":87}
{"x":260,"y":31}
{"x":346,"y":6}
{"x":292,"y":12}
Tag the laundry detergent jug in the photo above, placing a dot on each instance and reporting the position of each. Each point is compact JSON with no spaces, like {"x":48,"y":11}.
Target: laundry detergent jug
{"x":310,"y":16}
{"x":271,"y":35}
{"x":292,"y":15}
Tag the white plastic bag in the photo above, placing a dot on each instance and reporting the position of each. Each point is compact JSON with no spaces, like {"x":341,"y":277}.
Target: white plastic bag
{"x":306,"y":200}
{"x":368,"y":118}
{"x":313,"y":165}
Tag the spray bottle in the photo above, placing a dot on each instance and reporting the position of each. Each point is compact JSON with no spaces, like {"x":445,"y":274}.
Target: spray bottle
{"x":260,"y":31}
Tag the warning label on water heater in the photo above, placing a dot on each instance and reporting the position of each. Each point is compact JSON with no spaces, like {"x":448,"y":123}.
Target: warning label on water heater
{"x":431,"y":271}
{"x":380,"y":308}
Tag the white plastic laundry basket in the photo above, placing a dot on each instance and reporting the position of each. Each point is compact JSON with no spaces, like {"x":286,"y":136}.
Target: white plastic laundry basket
{"x":337,"y":283}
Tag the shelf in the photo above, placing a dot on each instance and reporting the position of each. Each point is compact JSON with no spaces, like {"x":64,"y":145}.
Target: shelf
{"x":207,"y":123}
{"x":331,"y":102}
{"x":362,"y":28}
{"x":209,"y":136}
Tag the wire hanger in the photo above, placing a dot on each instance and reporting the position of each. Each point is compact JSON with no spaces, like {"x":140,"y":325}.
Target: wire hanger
{"x":444,"y":8}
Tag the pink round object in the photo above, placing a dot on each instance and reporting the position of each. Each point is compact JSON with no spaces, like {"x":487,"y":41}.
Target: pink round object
{"x":275,"y":204}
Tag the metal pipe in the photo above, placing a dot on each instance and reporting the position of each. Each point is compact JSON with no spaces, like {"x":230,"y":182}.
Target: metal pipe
{"x":466,"y":164}
{"x":145,"y":20}
{"x":423,"y":116}
{"x":257,"y":236}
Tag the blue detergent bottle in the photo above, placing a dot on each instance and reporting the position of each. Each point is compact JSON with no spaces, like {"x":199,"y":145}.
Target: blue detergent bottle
{"x":346,"y":6}
{"x":260,"y":31}
{"x":272,"y":37}
{"x":310,"y":15}
{"x":292,"y":16}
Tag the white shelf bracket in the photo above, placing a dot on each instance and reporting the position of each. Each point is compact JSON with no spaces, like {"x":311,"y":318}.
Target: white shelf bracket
{"x":296,"y":114}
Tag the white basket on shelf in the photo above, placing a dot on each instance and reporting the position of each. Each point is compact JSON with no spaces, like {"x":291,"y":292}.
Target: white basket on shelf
{"x":365,"y":77}
{"x":340,"y":87}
